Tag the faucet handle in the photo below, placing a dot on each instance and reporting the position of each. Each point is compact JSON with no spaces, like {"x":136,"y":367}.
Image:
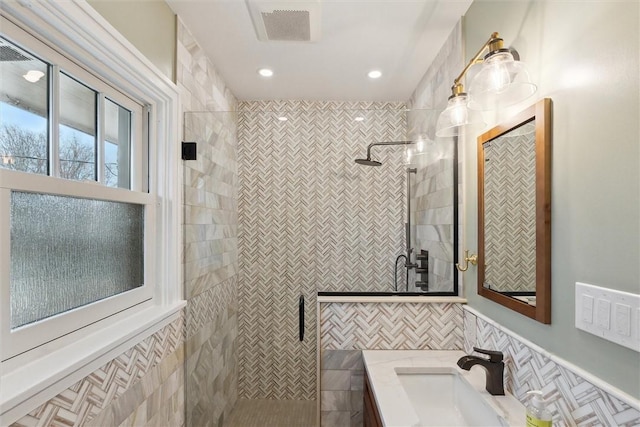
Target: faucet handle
{"x":494,"y":356}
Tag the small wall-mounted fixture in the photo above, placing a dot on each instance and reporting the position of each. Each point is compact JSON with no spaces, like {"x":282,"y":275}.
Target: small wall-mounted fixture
{"x":423,"y":270}
{"x":189,"y":151}
{"x":501,"y":81}
{"x":473,"y":260}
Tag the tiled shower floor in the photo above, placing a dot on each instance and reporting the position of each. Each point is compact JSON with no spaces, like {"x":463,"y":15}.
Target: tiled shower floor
{"x":273,"y":413}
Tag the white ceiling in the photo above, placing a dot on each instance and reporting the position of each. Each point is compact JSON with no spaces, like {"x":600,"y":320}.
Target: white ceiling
{"x":398,"y":37}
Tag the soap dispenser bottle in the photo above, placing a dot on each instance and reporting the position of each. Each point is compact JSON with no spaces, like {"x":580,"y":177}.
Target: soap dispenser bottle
{"x":537,"y":413}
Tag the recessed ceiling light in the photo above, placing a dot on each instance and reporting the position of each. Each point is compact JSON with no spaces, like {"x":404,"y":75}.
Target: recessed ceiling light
{"x":265,"y":72}
{"x":282,"y":118}
{"x":375,"y":74}
{"x":33,"y":76}
{"x":359,"y":119}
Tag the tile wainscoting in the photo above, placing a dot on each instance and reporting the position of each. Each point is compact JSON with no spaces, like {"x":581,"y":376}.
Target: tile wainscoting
{"x":347,"y":328}
{"x":143,"y":386}
{"x":211,"y":367}
{"x":575,"y":397}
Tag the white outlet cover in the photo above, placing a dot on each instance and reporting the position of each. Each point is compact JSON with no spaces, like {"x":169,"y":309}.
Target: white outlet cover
{"x":610,"y":314}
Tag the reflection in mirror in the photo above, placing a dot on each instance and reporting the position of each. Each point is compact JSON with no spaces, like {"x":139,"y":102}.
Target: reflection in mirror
{"x":510,"y":228}
{"x":514,"y":212}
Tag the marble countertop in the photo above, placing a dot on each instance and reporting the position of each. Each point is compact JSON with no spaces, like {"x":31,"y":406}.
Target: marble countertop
{"x":394,"y":405}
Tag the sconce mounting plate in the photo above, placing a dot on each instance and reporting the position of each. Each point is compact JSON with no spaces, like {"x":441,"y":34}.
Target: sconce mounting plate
{"x":189,"y":150}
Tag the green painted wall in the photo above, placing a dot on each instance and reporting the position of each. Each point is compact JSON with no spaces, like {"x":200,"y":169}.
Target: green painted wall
{"x":584,"y":56}
{"x":150,"y":25}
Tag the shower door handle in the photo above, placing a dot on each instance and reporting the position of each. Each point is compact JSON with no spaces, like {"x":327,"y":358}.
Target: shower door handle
{"x":301,"y":317}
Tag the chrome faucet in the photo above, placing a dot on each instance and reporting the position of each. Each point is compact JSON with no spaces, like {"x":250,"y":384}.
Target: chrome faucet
{"x":493,"y":366}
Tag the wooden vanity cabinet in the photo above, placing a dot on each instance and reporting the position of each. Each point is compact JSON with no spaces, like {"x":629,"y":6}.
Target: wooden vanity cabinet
{"x":371,"y":416}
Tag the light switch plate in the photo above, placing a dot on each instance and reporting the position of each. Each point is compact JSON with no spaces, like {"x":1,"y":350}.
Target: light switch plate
{"x":604,"y":313}
{"x":610,"y":314}
{"x":623,"y":319}
{"x":587,"y":308}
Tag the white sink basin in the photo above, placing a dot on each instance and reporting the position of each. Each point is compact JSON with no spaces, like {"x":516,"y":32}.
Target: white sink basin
{"x":442,"y":397}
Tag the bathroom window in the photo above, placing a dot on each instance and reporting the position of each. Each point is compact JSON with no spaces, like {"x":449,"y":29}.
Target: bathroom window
{"x":77,"y":220}
{"x":58,"y":120}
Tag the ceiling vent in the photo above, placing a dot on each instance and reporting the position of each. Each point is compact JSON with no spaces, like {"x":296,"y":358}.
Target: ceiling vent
{"x":10,"y":53}
{"x":291,"y":20}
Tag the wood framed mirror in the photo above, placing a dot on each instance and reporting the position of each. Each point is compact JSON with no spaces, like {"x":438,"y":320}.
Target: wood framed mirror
{"x":514,"y":212}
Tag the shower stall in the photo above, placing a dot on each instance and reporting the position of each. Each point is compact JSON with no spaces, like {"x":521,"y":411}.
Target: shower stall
{"x":277,"y":212}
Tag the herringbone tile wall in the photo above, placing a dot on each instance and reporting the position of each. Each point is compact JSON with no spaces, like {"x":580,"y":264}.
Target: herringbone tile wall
{"x":211,"y":367}
{"x":391,"y":326}
{"x":100,"y":395}
{"x":573,"y":400}
{"x":510,"y":231}
{"x":310,"y":219}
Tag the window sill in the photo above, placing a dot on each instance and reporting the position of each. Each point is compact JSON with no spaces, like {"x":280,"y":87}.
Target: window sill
{"x":26,"y":387}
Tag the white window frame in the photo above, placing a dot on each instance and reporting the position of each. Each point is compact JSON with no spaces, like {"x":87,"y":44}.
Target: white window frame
{"x":31,"y":378}
{"x":28,"y":337}
{"x":22,"y":339}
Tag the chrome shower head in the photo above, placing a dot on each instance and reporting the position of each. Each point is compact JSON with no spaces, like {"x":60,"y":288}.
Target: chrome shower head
{"x":368,"y":162}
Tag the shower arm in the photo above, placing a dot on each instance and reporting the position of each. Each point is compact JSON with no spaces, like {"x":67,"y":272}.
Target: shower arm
{"x":386,"y":143}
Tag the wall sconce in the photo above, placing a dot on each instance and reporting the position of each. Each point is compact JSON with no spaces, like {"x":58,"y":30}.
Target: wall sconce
{"x":501,"y":81}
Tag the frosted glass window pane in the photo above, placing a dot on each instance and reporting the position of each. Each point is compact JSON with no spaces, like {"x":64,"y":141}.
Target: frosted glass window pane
{"x":23,"y":110}
{"x":67,"y":252}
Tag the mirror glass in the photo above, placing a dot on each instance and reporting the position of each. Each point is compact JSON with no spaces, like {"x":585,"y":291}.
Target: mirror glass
{"x":514,"y":212}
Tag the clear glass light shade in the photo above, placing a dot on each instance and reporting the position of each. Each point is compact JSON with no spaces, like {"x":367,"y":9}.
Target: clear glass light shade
{"x":409,"y":155}
{"x":502,"y":81}
{"x":456,"y":116}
